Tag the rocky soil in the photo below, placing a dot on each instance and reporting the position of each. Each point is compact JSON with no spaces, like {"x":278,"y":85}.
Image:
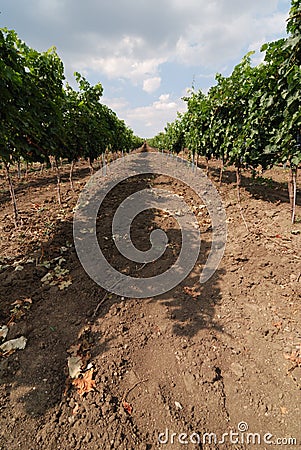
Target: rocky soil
{"x":213,"y":366}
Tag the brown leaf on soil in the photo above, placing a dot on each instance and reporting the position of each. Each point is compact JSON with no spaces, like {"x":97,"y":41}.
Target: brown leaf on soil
{"x":278,"y":325}
{"x":85,"y":384}
{"x":127,"y":407}
{"x":294,"y":357}
{"x":18,"y":314}
{"x":283,"y":410}
{"x":7,"y":353}
{"x":17,"y":302}
{"x":74,"y":366}
{"x":191,"y":292}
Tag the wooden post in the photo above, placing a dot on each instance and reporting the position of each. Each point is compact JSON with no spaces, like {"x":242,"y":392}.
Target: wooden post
{"x":12,"y":194}
{"x":292,"y":190}
{"x":238,"y":182}
{"x":58,"y":177}
{"x":71,"y":174}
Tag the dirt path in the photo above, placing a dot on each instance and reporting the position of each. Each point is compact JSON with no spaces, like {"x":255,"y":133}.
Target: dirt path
{"x":217,"y":358}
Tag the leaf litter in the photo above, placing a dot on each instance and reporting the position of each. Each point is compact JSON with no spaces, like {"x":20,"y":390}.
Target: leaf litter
{"x":14,"y":344}
{"x":3,"y":331}
{"x":57,"y":275}
{"x":295,"y":358}
{"x":80,"y":371}
{"x":85,"y":383}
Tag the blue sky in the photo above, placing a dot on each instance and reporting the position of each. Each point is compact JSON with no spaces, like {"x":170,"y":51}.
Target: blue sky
{"x":147,"y":53}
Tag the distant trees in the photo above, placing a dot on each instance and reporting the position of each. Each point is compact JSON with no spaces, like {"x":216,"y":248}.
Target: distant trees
{"x":41,"y":118}
{"x":252,"y":118}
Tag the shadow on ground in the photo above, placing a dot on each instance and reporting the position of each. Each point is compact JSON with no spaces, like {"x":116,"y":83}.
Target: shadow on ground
{"x":36,"y":377}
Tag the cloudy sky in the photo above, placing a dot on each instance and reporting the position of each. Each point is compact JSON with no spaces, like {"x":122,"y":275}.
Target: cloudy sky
{"x":146,"y":53}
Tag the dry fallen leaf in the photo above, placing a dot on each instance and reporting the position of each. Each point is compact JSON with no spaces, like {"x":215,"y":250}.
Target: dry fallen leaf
{"x":3,"y":331}
{"x":278,"y":325}
{"x":191,"y":292}
{"x":84,"y":384}
{"x":283,"y":410}
{"x":64,"y":284}
{"x":17,"y":302}
{"x":74,"y":366}
{"x":47,"y":278}
{"x":14,"y":344}
{"x":127,"y":407}
{"x":17,"y":314}
{"x":294,"y":357}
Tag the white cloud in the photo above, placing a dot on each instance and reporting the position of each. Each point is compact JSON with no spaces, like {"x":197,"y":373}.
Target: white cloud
{"x":152,"y":118}
{"x":163,"y":103}
{"x":151,"y":84}
{"x":132,"y":42}
{"x":147,"y":120}
{"x":219,"y":38}
{"x":122,"y":67}
{"x":115,"y":38}
{"x":112,"y":36}
{"x":116,"y":104}
{"x":199,"y":33}
{"x":164,"y":98}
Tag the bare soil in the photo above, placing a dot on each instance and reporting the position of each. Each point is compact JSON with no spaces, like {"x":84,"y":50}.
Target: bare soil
{"x":214,"y":358}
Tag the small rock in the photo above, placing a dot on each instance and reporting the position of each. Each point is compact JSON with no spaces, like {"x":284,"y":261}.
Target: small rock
{"x":237,"y":369}
{"x":189,"y":381}
{"x":88,"y":437}
{"x":143,"y":338}
{"x":208,"y":373}
{"x":271,"y":213}
{"x":295,"y":231}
